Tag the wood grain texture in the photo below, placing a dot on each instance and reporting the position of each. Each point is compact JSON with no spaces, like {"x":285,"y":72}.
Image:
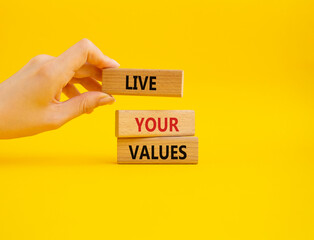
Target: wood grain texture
{"x":177,"y":150}
{"x":144,"y":82}
{"x":153,"y":123}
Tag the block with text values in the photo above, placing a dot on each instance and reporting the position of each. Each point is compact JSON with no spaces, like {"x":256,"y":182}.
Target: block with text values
{"x":145,"y":82}
{"x":176,"y":150}
{"x":152,"y":123}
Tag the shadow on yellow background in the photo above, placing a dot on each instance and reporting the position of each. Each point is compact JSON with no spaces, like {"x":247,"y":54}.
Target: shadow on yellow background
{"x":249,"y":77}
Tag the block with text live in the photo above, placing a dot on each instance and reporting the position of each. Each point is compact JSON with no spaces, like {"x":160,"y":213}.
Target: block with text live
{"x":142,"y":82}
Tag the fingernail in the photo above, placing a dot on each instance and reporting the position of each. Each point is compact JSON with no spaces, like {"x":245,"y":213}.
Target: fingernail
{"x":107,"y":100}
{"x":104,"y":95}
{"x":115,"y":62}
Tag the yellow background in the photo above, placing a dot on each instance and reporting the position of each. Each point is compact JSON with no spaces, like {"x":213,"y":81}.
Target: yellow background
{"x":249,"y":75}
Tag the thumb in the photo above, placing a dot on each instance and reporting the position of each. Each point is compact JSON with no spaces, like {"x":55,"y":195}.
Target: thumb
{"x":84,"y":103}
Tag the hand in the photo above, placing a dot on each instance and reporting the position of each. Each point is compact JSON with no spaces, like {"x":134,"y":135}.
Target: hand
{"x":30,"y":99}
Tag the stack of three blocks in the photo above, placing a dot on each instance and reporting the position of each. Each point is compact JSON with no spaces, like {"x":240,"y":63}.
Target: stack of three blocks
{"x":152,"y":136}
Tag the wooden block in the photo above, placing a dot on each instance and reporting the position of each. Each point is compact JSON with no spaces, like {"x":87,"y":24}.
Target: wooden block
{"x":158,"y":150}
{"x":145,"y":82}
{"x":148,"y":123}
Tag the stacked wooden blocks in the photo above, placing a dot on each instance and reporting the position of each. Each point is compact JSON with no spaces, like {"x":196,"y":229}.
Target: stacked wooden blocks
{"x":152,"y":136}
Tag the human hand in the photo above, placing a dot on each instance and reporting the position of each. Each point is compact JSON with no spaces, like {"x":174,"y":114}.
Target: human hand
{"x":30,"y":99}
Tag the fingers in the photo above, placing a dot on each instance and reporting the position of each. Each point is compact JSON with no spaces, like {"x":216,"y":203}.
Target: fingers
{"x":89,"y":70}
{"x":83,"y":51}
{"x":70,"y":90}
{"x":84,"y":103}
{"x":58,"y":95}
{"x":89,"y":84}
